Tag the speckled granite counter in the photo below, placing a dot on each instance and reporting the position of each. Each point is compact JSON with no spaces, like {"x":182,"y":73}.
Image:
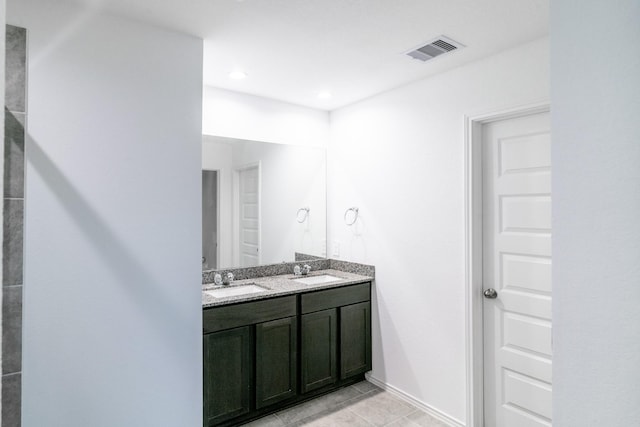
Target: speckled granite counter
{"x":279,"y":286}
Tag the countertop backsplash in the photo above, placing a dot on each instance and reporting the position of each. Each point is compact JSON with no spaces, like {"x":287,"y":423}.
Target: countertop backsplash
{"x":287,"y":268}
{"x":279,"y":280}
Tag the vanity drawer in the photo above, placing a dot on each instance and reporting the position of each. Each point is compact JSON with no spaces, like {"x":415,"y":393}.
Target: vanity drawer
{"x":248,"y":313}
{"x":336,"y":297}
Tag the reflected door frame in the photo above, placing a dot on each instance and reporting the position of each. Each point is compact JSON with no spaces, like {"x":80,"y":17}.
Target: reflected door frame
{"x":474,"y":249}
{"x":218,"y":211}
{"x":237,"y":209}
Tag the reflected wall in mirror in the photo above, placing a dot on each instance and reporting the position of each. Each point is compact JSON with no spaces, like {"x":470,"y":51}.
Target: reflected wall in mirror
{"x":261,"y":202}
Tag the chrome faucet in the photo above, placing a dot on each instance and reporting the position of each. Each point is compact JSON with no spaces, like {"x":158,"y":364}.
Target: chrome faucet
{"x":297,"y":271}
{"x":217,"y":279}
{"x":227,"y":279}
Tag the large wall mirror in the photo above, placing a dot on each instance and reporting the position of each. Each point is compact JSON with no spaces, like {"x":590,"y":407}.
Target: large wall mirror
{"x":261,"y":202}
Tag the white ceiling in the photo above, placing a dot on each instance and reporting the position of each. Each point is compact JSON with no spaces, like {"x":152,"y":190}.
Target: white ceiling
{"x":293,"y":49}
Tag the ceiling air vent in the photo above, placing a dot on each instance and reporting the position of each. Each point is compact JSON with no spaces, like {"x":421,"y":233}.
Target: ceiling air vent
{"x":437,"y":47}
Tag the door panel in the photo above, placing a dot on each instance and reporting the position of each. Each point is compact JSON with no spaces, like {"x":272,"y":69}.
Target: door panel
{"x":527,"y":333}
{"x":249,"y":233}
{"x":525,"y":214}
{"x":355,"y":339}
{"x":526,"y":392}
{"x":276,"y":361}
{"x":319,"y":361}
{"x":227,"y":373}
{"x":517,"y":264}
{"x":527,"y":273}
{"x":525,"y":153}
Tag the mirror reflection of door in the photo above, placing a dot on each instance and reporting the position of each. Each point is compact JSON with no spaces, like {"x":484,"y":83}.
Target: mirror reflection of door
{"x":209,"y":220}
{"x":291,"y":177}
{"x":248,"y":212}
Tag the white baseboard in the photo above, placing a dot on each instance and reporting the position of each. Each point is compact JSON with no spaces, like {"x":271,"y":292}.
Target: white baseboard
{"x":440,"y":416}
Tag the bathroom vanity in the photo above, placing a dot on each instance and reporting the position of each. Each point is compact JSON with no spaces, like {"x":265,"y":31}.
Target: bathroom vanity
{"x":266,"y":350}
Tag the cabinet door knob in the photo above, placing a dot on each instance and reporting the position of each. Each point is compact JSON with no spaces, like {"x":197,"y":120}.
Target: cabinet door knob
{"x":490,"y":293}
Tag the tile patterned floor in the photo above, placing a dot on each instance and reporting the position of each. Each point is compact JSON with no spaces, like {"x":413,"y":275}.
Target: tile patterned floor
{"x":360,"y":405}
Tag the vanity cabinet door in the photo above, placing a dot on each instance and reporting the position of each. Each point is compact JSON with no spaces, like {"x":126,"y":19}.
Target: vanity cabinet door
{"x":228,"y":373}
{"x":319,"y":349}
{"x":276,"y":361}
{"x":355,"y":339}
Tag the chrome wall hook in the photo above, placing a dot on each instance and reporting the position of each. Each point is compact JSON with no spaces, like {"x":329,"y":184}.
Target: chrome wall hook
{"x":302,"y":217}
{"x":354,"y":214}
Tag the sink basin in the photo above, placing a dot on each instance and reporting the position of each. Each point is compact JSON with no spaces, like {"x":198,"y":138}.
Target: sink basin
{"x":233,"y":291}
{"x":316,"y":280}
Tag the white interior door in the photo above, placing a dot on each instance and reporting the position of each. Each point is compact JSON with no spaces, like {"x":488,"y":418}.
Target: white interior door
{"x":249,"y":216}
{"x":517,"y":265}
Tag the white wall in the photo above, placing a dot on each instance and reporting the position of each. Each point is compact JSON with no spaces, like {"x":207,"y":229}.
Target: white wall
{"x":399,"y":157}
{"x":236,"y":115}
{"x":112,"y":303}
{"x":595,"y":94}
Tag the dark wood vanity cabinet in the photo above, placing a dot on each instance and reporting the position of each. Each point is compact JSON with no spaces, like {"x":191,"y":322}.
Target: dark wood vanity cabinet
{"x":355,"y":339}
{"x":229,"y":368}
{"x":319,"y":361}
{"x":249,"y":356}
{"x":228,"y":372}
{"x":261,"y":355}
{"x":276,"y":361}
{"x":336,"y":335}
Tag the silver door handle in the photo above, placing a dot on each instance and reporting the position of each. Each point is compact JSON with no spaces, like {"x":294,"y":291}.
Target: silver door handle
{"x":490,"y":293}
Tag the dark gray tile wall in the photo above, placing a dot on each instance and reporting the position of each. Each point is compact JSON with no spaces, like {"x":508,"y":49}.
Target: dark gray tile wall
{"x":13,"y":226}
{"x":15,"y":75}
{"x":12,"y":329}
{"x":14,"y":154}
{"x":11,"y":399}
{"x":12,"y":243}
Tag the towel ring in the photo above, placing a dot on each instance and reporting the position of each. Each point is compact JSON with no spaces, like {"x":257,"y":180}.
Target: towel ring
{"x":355,"y":216}
{"x":305,"y":213}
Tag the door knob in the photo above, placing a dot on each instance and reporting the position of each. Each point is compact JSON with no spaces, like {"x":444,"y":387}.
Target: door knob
{"x":490,"y":293}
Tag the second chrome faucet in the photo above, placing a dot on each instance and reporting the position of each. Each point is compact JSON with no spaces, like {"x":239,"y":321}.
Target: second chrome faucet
{"x":220,"y":279}
{"x":301,"y":271}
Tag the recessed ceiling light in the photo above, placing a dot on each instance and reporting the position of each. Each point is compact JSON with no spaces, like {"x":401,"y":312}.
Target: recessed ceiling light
{"x":237,"y":75}
{"x":324,"y":95}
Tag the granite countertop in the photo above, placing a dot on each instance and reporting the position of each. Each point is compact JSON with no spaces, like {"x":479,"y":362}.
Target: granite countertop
{"x":279,"y":286}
